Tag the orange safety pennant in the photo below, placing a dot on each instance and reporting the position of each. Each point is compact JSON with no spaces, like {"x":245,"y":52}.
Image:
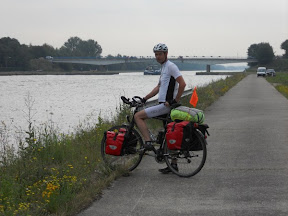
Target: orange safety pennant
{"x":194,"y":98}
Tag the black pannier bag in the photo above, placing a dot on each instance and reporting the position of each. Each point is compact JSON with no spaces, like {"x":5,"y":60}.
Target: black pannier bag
{"x":120,"y":143}
{"x":131,"y":143}
{"x":182,"y":136}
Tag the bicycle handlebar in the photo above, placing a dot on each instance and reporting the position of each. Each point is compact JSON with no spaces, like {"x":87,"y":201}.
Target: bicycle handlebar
{"x":135,"y":102}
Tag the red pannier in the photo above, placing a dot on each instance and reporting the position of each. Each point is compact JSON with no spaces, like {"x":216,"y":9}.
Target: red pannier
{"x":114,"y":142}
{"x":178,"y":134}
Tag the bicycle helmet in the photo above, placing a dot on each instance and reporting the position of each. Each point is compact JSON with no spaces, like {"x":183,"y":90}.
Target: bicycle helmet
{"x":160,"y":47}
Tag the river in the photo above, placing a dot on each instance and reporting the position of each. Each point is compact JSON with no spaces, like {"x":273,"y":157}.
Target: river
{"x":70,"y":101}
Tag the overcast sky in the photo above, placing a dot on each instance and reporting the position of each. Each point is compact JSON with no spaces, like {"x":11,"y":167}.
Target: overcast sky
{"x":133,"y":27}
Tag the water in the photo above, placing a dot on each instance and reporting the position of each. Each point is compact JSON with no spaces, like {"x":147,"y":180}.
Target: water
{"x":68,"y":101}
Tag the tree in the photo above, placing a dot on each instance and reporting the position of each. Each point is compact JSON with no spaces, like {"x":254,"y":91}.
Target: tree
{"x":77,"y":47}
{"x":71,"y":46}
{"x":90,"y":48}
{"x":263,"y":52}
{"x":284,"y":46}
{"x":41,"y":64}
{"x":41,"y":51}
{"x":16,"y":56}
{"x":13,"y":54}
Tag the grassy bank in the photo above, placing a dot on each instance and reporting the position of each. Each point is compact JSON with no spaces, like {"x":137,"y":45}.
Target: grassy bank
{"x":280,"y":81}
{"x":58,"y":174}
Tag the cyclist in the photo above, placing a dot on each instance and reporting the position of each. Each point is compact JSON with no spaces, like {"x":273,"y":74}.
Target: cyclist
{"x":170,"y":88}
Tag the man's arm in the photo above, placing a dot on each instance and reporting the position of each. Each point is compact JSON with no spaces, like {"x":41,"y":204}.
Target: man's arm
{"x":181,"y":88}
{"x":152,"y":93}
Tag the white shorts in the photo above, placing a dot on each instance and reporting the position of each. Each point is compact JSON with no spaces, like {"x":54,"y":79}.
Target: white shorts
{"x":157,"y":110}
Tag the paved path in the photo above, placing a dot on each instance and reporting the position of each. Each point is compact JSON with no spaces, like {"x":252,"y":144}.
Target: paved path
{"x":246,"y":172}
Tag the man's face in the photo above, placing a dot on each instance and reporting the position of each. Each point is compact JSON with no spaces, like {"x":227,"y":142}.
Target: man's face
{"x":160,"y":56}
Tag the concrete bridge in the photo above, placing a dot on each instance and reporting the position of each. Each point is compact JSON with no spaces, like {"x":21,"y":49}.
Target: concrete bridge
{"x":208,"y":61}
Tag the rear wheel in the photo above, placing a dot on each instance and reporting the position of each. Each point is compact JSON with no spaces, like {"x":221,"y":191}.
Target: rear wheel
{"x":190,"y":160}
{"x":130,"y":159}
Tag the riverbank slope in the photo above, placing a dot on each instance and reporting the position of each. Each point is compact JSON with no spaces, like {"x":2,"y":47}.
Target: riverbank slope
{"x":61,"y":174}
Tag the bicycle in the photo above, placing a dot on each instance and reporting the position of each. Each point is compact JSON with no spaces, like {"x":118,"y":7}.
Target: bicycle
{"x":190,"y":161}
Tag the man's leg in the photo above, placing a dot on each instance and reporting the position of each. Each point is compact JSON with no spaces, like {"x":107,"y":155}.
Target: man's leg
{"x":140,"y":118}
{"x":149,"y":112}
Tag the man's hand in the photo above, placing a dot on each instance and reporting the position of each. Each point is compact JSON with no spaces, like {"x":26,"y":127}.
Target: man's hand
{"x":171,"y":102}
{"x":143,"y":100}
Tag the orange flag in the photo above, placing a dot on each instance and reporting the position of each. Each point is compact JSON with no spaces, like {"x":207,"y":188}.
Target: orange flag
{"x":194,"y":98}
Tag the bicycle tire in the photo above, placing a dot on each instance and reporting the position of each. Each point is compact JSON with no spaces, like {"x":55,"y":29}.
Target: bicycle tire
{"x":127,"y":161}
{"x":189,"y":162}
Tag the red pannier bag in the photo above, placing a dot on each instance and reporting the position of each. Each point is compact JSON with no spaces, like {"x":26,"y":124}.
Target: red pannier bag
{"x":114,"y":142}
{"x":177,"y":133}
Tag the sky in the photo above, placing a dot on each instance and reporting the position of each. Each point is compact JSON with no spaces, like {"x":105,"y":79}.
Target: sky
{"x":132,"y":27}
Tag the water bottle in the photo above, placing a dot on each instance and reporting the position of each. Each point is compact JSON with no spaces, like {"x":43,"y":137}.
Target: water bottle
{"x":152,"y":136}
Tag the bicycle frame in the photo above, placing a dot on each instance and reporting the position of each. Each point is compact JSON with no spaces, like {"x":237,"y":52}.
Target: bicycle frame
{"x":190,"y":161}
{"x":164,"y":118}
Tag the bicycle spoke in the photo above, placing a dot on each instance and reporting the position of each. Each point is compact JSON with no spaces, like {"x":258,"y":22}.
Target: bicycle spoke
{"x":131,"y":158}
{"x":189,"y":162}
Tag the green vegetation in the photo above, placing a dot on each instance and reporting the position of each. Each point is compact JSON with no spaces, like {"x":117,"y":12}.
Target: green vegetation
{"x":208,"y":94}
{"x":61,"y":174}
{"x":280,"y":81}
{"x":20,"y":57}
{"x":284,"y":46}
{"x":263,"y":52}
{"x":280,"y":65}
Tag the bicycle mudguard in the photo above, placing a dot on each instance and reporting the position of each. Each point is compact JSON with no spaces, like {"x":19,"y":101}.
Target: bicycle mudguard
{"x":203,"y":128}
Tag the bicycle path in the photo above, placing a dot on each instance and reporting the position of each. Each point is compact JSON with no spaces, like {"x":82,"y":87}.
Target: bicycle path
{"x":246,"y":172}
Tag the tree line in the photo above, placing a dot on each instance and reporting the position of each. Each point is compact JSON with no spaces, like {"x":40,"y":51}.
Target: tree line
{"x":20,"y":57}
{"x":16,"y":56}
{"x":264,"y":53}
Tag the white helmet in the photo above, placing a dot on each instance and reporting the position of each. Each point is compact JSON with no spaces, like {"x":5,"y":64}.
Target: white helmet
{"x":160,"y":47}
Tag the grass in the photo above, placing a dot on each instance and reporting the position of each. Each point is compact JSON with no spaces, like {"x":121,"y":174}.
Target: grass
{"x":280,"y":81}
{"x":208,"y":94}
{"x":58,"y":174}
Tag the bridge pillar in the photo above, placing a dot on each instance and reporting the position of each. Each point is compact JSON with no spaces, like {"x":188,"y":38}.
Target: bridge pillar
{"x":208,"y":68}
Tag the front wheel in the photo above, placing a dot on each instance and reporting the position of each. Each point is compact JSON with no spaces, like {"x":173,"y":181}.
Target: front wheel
{"x":189,"y":160}
{"x":130,"y":159}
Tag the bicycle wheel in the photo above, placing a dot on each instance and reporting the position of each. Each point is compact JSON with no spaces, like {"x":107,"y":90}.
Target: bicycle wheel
{"x":189,"y":160}
{"x":128,"y":160}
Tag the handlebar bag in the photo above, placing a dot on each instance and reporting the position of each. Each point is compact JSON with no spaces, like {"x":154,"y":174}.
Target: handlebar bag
{"x":187,"y":114}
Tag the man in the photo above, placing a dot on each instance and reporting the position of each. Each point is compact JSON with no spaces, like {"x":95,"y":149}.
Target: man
{"x":170,"y":87}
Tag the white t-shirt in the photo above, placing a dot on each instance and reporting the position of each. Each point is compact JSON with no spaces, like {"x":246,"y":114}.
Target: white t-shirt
{"x":168,"y":85}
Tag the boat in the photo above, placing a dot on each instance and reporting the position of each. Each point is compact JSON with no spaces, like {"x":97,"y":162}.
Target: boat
{"x":152,"y":70}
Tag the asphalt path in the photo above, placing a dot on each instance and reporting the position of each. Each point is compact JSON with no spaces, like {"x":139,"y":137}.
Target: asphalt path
{"x":246,"y":172}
